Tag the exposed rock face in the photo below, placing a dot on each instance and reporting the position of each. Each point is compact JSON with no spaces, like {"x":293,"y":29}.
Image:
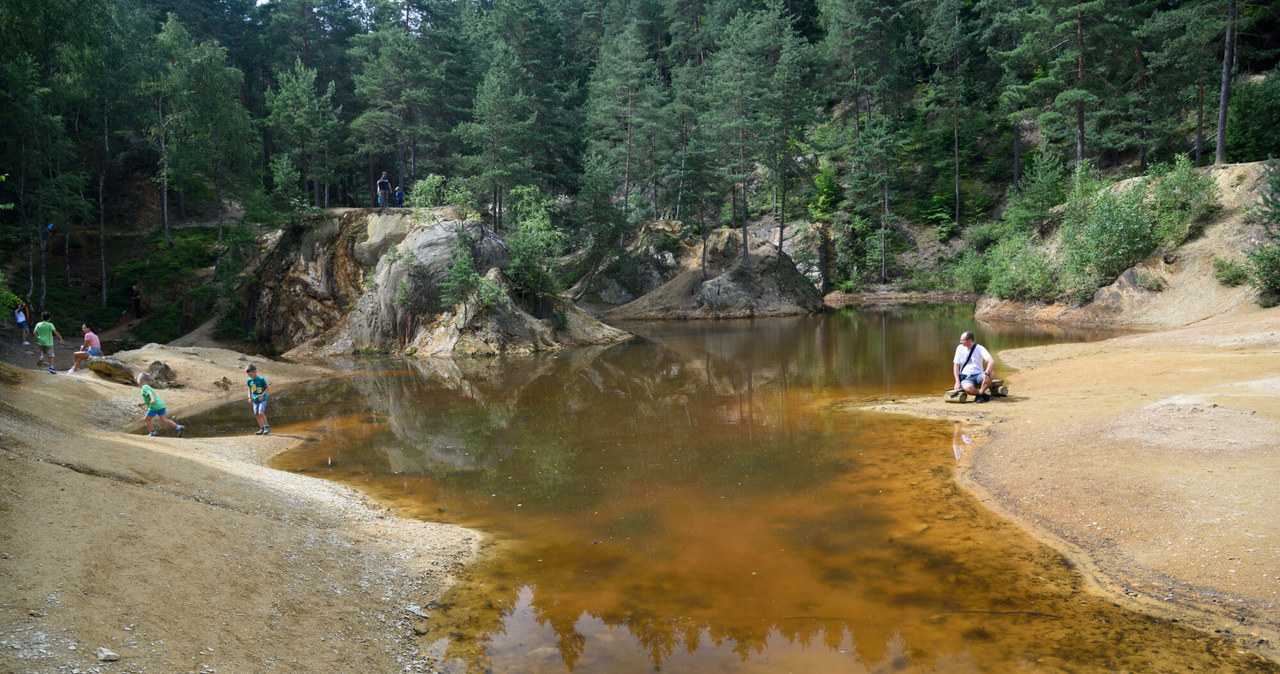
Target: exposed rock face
{"x":405,"y":293}
{"x":653,"y":259}
{"x":308,"y":281}
{"x":504,"y":328}
{"x":363,"y":279}
{"x":113,"y":369}
{"x":766,"y":286}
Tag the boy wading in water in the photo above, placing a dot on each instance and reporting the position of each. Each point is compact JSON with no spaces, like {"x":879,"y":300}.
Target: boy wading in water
{"x":154,"y":406}
{"x":258,"y":398}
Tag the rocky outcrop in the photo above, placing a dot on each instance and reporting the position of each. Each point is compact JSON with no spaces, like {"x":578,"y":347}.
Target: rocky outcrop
{"x":353,"y":280}
{"x":491,"y":326}
{"x":113,"y":369}
{"x":310,"y":280}
{"x":405,"y":293}
{"x":767,"y":285}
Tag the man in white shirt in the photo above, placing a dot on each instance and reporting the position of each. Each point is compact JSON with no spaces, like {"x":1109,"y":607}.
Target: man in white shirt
{"x":973,"y":368}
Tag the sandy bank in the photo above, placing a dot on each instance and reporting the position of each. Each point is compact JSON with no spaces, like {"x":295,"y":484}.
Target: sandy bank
{"x":1152,"y":461}
{"x":188,"y":554}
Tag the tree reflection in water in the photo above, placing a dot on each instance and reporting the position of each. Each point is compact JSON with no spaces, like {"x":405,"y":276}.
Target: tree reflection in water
{"x":709,"y":498}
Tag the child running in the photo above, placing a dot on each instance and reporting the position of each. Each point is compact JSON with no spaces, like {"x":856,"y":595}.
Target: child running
{"x":154,"y":406}
{"x":45,"y":332}
{"x":258,"y":398}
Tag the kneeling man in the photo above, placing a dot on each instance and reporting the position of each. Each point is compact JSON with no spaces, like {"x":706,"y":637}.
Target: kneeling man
{"x":972,"y":367}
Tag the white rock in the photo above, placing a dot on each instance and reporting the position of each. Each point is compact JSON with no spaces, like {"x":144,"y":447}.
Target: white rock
{"x":106,"y":655}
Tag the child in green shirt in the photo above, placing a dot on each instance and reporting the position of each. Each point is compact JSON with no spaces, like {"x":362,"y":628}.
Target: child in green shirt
{"x":154,"y":405}
{"x":258,"y":398}
{"x":45,"y":332}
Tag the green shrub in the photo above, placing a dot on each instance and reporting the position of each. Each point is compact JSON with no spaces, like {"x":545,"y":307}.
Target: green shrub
{"x":1150,"y":281}
{"x":428,"y":192}
{"x":1264,"y":269}
{"x":1043,"y":186}
{"x":461,"y":279}
{"x":1020,"y":271}
{"x":1230,"y":273}
{"x":1180,"y":200}
{"x":826,"y":193}
{"x":1252,"y":120}
{"x":534,"y":244}
{"x":1104,"y":232}
{"x":971,"y":273}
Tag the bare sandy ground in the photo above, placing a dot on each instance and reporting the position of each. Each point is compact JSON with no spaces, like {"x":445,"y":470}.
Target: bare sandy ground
{"x":1152,"y":461}
{"x":188,"y":555}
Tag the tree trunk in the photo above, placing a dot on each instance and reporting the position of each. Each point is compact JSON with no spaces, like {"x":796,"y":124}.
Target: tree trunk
{"x":1080,"y":84}
{"x":955,"y":110}
{"x":1228,"y":55}
{"x":217,"y":195}
{"x":1200,"y":121}
{"x":102,"y":217}
{"x":1017,"y":156}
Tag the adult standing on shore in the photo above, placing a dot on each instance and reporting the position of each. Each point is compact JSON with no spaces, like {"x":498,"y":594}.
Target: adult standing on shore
{"x":973,"y":368}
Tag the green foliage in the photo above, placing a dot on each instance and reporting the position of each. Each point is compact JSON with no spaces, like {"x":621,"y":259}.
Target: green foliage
{"x":826,"y":193}
{"x":1230,"y":273}
{"x":1150,"y":281}
{"x":1180,"y":200}
{"x":285,"y":176}
{"x":8,"y":300}
{"x":1043,"y":187}
{"x":1019,"y":271}
{"x":629,"y":272}
{"x":1104,"y":232}
{"x":971,"y":273}
{"x":1264,"y":269}
{"x":534,"y":245}
{"x":1264,"y":261}
{"x":461,"y":279}
{"x":1252,"y":119}
{"x":428,"y":192}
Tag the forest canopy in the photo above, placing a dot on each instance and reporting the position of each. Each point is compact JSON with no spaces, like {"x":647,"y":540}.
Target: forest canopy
{"x":856,"y":113}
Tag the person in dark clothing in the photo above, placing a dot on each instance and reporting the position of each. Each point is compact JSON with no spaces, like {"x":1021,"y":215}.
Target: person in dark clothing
{"x":399,"y":198}
{"x":384,"y":191}
{"x":135,"y":296}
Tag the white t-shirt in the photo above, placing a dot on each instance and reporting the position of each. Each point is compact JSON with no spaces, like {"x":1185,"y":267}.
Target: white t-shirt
{"x":18,"y":315}
{"x":975,"y":364}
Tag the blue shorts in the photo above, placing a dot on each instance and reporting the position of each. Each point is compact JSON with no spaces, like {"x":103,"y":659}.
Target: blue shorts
{"x":94,"y":351}
{"x":975,"y":379}
{"x":260,"y":406}
{"x":156,"y":413}
{"x":22,"y":324}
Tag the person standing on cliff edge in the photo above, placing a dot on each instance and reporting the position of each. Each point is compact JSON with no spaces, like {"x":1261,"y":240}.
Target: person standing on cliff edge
{"x":973,"y":368}
{"x":384,"y":191}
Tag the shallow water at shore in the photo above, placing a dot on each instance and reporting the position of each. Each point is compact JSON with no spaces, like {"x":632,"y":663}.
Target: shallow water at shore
{"x":703,"y":500}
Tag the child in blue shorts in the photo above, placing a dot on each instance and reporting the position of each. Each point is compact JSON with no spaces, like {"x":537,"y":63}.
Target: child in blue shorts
{"x":154,"y":406}
{"x":258,"y":398}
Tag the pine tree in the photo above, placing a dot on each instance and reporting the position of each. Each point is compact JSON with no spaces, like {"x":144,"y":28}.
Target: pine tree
{"x":619,"y":105}
{"x":306,"y":123}
{"x":502,"y":117}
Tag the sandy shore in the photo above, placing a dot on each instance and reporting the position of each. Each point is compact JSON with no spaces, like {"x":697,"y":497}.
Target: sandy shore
{"x":1150,"y":460}
{"x":188,"y":554}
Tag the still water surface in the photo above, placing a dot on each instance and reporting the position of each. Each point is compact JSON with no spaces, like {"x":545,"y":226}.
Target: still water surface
{"x":710,"y":498}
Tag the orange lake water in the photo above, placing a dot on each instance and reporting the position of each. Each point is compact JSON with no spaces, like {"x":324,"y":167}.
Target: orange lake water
{"x":709,"y":498}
